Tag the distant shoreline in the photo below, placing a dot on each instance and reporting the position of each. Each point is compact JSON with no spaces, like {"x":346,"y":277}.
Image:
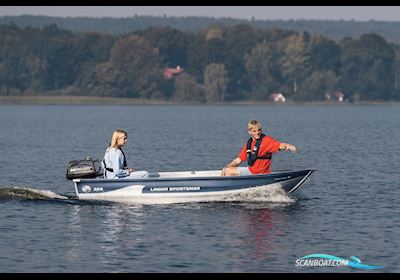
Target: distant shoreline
{"x":75,"y":100}
{"x":91,"y":100}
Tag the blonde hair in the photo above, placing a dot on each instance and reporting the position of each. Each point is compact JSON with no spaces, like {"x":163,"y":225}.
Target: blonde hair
{"x":254,"y":124}
{"x":118,"y":133}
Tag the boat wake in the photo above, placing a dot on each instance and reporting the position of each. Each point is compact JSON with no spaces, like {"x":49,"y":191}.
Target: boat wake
{"x":24,"y":193}
{"x":268,"y":194}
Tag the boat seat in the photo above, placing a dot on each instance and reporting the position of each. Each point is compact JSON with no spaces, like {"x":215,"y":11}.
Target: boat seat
{"x":154,"y":175}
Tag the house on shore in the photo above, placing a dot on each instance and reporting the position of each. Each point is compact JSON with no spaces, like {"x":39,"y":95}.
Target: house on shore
{"x":169,"y":73}
{"x":339,"y":96}
{"x":277,"y":97}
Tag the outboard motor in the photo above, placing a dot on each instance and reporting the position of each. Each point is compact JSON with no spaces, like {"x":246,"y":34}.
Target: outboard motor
{"x":86,"y":168}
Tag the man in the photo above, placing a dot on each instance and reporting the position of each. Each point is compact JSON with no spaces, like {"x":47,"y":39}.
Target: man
{"x":257,"y":151}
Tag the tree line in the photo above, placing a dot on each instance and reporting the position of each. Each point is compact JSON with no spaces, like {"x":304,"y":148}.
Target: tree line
{"x":333,"y":29}
{"x":220,"y":64}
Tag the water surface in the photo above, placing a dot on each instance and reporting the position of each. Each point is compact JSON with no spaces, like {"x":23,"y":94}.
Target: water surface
{"x":349,"y":208}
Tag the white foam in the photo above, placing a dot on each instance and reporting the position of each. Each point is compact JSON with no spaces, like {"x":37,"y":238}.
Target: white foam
{"x":263,"y":194}
{"x":45,"y":193}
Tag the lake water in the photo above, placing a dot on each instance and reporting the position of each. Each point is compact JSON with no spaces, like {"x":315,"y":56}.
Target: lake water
{"x":349,"y":208}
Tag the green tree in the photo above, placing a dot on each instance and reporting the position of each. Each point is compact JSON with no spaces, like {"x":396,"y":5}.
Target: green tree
{"x":324,"y":54}
{"x":133,"y":69}
{"x":171,"y":43}
{"x":238,"y":40}
{"x":214,"y":33}
{"x":196,"y":56}
{"x":215,"y":82}
{"x":368,"y":67}
{"x":295,"y":61}
{"x":397,"y":74}
{"x":319,"y":85}
{"x":188,"y":90}
{"x":262,"y":67}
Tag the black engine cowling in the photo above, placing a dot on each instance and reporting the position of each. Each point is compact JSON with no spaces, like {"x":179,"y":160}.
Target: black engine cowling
{"x":86,"y":168}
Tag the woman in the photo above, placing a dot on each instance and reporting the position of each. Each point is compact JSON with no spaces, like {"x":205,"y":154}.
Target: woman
{"x":114,"y":162}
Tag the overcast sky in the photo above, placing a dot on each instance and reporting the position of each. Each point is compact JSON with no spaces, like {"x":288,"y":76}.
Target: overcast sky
{"x":358,"y":13}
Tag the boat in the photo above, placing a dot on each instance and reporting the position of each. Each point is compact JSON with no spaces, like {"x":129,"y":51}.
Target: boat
{"x":187,"y":186}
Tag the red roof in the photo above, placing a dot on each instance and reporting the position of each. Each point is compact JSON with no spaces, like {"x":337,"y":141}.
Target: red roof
{"x":169,"y":73}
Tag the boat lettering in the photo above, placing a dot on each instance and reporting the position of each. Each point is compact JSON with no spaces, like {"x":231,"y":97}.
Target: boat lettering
{"x":161,"y":189}
{"x":178,"y":189}
{"x":98,"y":189}
{"x":174,"y":189}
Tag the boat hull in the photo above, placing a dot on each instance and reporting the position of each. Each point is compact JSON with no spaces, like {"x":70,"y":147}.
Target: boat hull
{"x":186,"y":187}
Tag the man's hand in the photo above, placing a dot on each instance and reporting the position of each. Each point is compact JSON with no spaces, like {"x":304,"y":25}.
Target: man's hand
{"x":287,"y":147}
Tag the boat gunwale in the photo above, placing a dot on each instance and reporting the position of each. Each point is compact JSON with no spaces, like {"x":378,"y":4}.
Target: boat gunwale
{"x":200,"y":178}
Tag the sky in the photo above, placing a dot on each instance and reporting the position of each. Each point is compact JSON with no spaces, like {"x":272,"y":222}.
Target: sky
{"x":357,"y":13}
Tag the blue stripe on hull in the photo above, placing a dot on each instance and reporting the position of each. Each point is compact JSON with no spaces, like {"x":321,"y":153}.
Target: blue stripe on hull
{"x":192,"y":184}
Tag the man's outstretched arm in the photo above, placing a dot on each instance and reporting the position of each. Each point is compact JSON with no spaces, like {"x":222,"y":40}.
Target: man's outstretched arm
{"x":287,"y":147}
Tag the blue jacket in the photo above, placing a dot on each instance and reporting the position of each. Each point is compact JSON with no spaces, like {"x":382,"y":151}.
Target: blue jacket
{"x":114,"y":159}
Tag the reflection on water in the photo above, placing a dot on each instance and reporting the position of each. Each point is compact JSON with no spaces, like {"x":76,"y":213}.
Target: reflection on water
{"x":260,"y":234}
{"x":260,"y":231}
{"x":249,"y":235}
{"x":76,"y":242}
{"x":104,"y":227}
{"x":122,"y":231}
